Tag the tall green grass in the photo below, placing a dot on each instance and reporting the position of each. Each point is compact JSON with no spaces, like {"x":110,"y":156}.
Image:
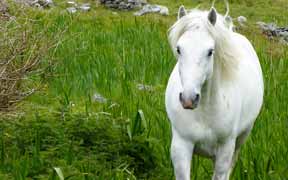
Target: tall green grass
{"x":62,"y":130}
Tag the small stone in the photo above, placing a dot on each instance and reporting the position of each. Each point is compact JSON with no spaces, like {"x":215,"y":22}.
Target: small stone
{"x":242,"y":20}
{"x":114,"y":6}
{"x":85,"y":7}
{"x":46,"y":3}
{"x":3,"y":6}
{"x":164,"y":11}
{"x":99,"y":98}
{"x":141,"y":2}
{"x":71,"y":10}
{"x":108,"y":2}
{"x":122,"y":3}
{"x":283,"y":41}
{"x":143,"y":87}
{"x":128,"y":6}
{"x":37,"y":5}
{"x":72,"y":3}
{"x":122,"y":6}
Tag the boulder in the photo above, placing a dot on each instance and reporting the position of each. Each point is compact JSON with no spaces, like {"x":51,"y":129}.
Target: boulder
{"x":124,"y":4}
{"x":153,"y":8}
{"x":272,"y":30}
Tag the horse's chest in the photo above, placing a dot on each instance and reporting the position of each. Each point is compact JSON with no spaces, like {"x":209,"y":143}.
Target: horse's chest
{"x":203,"y":128}
{"x":204,"y":135}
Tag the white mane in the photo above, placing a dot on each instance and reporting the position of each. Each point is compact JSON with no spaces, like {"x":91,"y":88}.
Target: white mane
{"x":227,"y":51}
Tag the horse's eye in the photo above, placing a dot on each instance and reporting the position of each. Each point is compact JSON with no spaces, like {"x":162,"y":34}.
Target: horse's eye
{"x":210,"y":52}
{"x":178,"y":50}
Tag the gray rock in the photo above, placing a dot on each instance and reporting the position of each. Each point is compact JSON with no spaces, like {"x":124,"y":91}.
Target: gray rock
{"x":71,"y":10}
{"x":283,"y":33}
{"x":4,"y":14}
{"x":152,"y":9}
{"x":143,"y":87}
{"x":72,"y":3}
{"x":44,"y":3}
{"x":3,"y":6}
{"x":128,"y":6}
{"x":164,"y":11}
{"x":99,"y":98}
{"x":48,"y":3}
{"x":283,"y":41}
{"x":242,"y":20}
{"x":114,"y":6}
{"x":85,"y":7}
{"x":272,"y":30}
{"x":260,"y":24}
{"x":142,"y":2}
{"x":36,"y":3}
{"x":108,"y":2}
{"x":123,"y":4}
{"x":136,"y":2}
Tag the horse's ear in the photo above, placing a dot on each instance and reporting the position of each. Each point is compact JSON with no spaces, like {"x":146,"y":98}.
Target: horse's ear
{"x":212,"y":16}
{"x":181,"y":12}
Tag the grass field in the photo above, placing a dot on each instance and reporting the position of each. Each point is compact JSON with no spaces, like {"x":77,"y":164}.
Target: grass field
{"x":62,"y":129}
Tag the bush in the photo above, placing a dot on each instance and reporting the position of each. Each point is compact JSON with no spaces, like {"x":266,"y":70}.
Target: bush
{"x":21,"y":51}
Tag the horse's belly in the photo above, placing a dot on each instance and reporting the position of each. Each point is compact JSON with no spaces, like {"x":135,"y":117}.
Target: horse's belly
{"x":251,"y":90}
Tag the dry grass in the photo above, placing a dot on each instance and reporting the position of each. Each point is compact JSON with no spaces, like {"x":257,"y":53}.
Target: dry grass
{"x":21,"y":51}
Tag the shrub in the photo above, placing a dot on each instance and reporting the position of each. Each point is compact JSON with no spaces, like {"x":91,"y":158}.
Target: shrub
{"x":21,"y":50}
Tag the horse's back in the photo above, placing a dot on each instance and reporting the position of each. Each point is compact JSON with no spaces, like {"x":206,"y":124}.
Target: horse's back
{"x":250,"y":83}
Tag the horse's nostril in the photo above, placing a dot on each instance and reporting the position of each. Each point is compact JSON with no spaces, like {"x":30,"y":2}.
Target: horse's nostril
{"x":180,"y":97}
{"x":197,"y":97}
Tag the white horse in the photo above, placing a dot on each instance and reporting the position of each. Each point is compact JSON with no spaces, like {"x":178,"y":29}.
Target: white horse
{"x":214,"y":93}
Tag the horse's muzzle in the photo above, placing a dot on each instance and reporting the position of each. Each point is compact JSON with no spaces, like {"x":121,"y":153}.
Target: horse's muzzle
{"x":189,"y":103}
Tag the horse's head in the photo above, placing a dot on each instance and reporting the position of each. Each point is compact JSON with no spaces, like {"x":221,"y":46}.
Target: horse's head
{"x":194,"y":50}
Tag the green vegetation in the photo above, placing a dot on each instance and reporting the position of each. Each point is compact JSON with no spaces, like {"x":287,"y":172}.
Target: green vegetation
{"x":61,"y":126}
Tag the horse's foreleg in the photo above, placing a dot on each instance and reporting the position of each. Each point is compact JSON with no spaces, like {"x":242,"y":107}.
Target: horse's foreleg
{"x":234,"y":159}
{"x":181,"y":154}
{"x":240,"y":140}
{"x":223,"y":161}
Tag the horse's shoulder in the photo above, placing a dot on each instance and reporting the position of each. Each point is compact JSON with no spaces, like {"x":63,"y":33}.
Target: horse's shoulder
{"x":245,"y":45}
{"x":242,"y":39}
